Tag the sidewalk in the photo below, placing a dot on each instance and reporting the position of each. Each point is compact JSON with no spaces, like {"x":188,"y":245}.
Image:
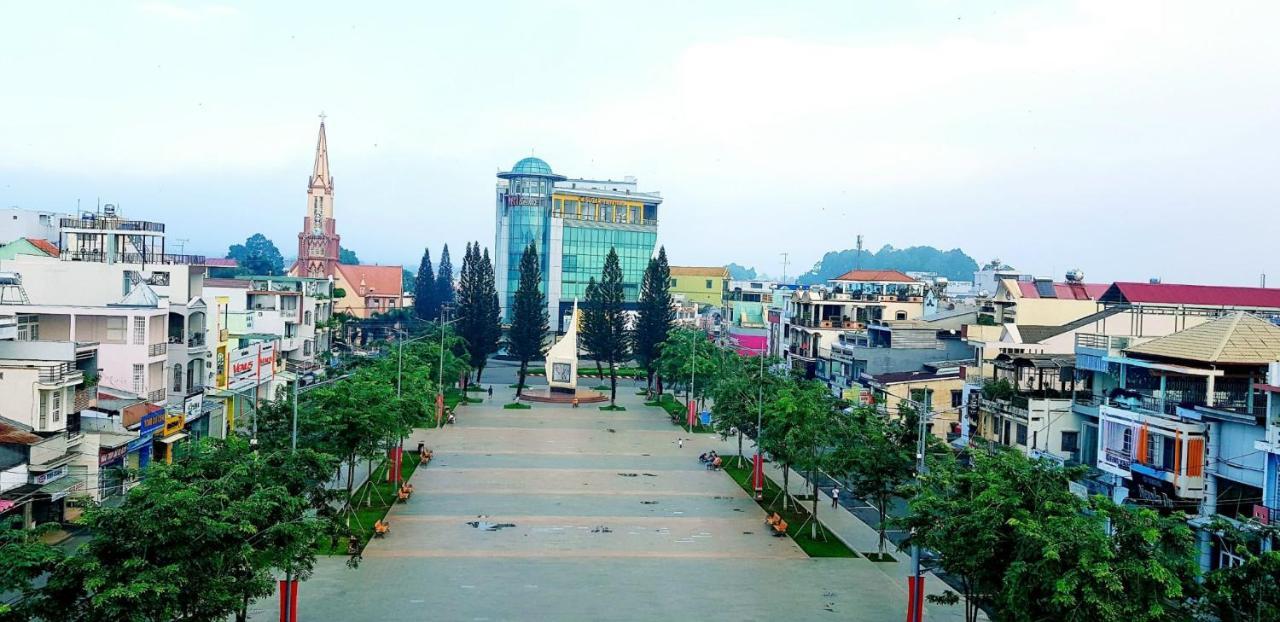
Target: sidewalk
{"x":862,"y":538}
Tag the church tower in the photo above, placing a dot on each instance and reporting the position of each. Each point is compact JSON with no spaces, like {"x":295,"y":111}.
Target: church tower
{"x":318,"y":241}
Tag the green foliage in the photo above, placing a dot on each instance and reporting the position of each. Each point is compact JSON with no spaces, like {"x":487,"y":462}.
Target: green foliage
{"x":339,"y":293}
{"x":347,"y":256}
{"x":819,"y":545}
{"x":198,"y":540}
{"x":529,"y":326}
{"x":953,"y":264}
{"x":876,"y":455}
{"x":445,"y":293}
{"x":997,"y":389}
{"x":516,"y":406}
{"x":23,"y":559}
{"x":258,"y":255}
{"x":740,"y":273}
{"x":613,"y":340}
{"x":426,"y":303}
{"x":478,"y":308}
{"x":688,"y":355}
{"x":1249,"y":591}
{"x":745,"y":387}
{"x":655,"y":315}
{"x":407,"y":280}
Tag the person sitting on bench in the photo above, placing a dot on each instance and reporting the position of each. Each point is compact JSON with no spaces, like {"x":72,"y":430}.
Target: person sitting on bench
{"x":717,"y":463}
{"x":773,"y":519}
{"x":780,"y":528}
{"x":381,"y":528}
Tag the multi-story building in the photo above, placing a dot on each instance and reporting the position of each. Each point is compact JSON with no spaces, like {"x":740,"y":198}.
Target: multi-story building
{"x":1027,"y":406}
{"x":1269,"y":510}
{"x":294,"y":310}
{"x":704,"y":285}
{"x":938,"y":389}
{"x":574,"y":223}
{"x":17,"y":223}
{"x":816,"y":317}
{"x":892,"y":346}
{"x":44,"y":385}
{"x":1180,"y":417}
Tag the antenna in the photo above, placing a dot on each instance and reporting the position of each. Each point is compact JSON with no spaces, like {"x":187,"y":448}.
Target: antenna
{"x":857,"y":258}
{"x":784,"y":266}
{"x":181,"y":244}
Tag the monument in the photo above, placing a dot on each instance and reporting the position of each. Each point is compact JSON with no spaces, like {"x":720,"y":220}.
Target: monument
{"x":562,"y":371}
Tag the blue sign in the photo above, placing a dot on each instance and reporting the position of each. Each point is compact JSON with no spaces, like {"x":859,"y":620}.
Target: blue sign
{"x":704,"y":417}
{"x":139,"y":443}
{"x":152,"y":421}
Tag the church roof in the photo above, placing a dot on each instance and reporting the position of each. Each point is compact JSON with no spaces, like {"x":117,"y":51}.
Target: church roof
{"x":320,"y":170}
{"x":374,"y":280}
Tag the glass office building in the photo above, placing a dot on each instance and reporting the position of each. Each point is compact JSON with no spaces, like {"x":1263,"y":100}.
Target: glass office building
{"x":574,"y":222}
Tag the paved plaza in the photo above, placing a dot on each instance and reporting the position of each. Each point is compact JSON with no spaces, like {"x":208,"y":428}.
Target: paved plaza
{"x":557,"y":513}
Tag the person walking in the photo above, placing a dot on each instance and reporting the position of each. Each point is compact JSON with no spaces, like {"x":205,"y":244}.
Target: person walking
{"x":835,"y":497}
{"x":680,"y":442}
{"x":490,"y":391}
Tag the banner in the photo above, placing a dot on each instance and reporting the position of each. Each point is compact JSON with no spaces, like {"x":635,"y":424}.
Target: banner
{"x":693,"y":412}
{"x":757,"y":472}
{"x":251,"y":365}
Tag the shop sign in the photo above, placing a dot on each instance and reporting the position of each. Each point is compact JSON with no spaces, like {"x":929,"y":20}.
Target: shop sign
{"x":152,"y":421}
{"x":1262,"y":514}
{"x":173,"y":424}
{"x":250,"y":365}
{"x":193,"y":404}
{"x":50,"y":476}
{"x":113,"y":455}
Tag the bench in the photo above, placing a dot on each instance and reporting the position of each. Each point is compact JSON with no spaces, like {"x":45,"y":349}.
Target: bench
{"x":381,"y":528}
{"x":779,"y":528}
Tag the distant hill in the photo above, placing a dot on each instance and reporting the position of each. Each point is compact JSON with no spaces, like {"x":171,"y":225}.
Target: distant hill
{"x":953,"y":264}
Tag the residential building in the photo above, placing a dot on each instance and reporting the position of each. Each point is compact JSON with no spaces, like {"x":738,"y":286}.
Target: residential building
{"x":35,"y":247}
{"x":574,"y":223}
{"x":937,"y":386}
{"x":17,"y":223}
{"x":705,"y":285}
{"x":292,"y":309}
{"x":817,"y":316}
{"x":891,"y":346}
{"x":43,"y":387}
{"x":1180,"y":417}
{"x":1027,"y":406}
{"x":366,"y":290}
{"x":1268,"y":512}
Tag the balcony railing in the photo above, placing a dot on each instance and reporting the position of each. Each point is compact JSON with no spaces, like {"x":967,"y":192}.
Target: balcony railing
{"x":105,"y":224}
{"x":143,"y":258}
{"x":156,"y":395}
{"x":60,"y":375}
{"x":157,"y":349}
{"x":195,"y":340}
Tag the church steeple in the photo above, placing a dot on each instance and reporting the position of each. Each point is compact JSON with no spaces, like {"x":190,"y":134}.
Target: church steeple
{"x":320,"y":170}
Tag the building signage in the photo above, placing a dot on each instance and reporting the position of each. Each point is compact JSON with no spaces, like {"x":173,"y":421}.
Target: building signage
{"x":524,"y":200}
{"x":775,"y":316}
{"x":173,"y":424}
{"x":251,"y":365}
{"x":52,"y":475}
{"x":193,"y":404}
{"x":1262,"y":514}
{"x":152,"y":421}
{"x":76,"y":487}
{"x":113,"y":455}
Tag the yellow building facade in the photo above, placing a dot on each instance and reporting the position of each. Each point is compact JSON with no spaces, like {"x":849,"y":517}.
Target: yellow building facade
{"x":700,"y":284}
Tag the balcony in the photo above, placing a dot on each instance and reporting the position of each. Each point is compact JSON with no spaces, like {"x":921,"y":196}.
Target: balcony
{"x":61,"y":375}
{"x":111,"y":224}
{"x":157,"y":395}
{"x":196,"y":340}
{"x":157,"y":349}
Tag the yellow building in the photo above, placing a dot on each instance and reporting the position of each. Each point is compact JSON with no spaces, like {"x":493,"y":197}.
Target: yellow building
{"x":940,"y":386}
{"x":703,"y":285}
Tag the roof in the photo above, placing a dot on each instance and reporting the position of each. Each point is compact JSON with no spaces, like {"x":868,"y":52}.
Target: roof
{"x":374,"y":280}
{"x":44,"y":245}
{"x":14,"y":434}
{"x":140,"y":296}
{"x":1062,"y":290}
{"x":1207,"y":295}
{"x":1038,"y":360}
{"x":531,"y":166}
{"x":898,"y":377}
{"x":1037,"y":333}
{"x":875,"y":276}
{"x":221,"y":262}
{"x":228,"y":283}
{"x":1241,"y":338}
{"x":715,"y":271}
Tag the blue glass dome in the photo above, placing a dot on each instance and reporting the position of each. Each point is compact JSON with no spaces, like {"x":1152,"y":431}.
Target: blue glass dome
{"x":531,"y":166}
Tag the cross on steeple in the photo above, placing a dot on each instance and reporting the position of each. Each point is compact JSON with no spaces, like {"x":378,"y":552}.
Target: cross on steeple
{"x":322,"y":116}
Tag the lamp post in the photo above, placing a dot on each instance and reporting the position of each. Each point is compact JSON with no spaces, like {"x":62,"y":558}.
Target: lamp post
{"x":444,"y":312}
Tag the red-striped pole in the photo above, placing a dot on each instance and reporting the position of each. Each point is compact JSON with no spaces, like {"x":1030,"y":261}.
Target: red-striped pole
{"x":289,"y":600}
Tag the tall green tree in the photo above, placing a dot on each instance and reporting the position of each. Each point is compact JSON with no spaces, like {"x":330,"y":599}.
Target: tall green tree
{"x":258,"y":255}
{"x":478,"y":307}
{"x":24,"y":558}
{"x":347,"y":256}
{"x":445,"y":293}
{"x":746,"y":387}
{"x":426,"y":304}
{"x":810,"y":409}
{"x":876,"y":457}
{"x":529,"y":324}
{"x":592,"y":330}
{"x":615,"y":343}
{"x":655,"y":316}
{"x":688,"y":356}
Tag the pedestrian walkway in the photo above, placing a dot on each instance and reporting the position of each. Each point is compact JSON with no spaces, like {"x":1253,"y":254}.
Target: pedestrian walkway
{"x":556,"y":513}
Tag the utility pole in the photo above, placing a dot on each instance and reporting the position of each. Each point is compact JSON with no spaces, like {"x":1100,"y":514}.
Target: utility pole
{"x":857,"y":258}
{"x":785,"y":256}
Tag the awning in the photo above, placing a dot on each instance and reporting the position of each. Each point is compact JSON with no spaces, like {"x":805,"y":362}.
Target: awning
{"x":173,"y":439}
{"x":62,"y":487}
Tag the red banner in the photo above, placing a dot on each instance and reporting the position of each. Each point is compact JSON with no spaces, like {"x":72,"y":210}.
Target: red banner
{"x":757,"y":472}
{"x":693,"y":412}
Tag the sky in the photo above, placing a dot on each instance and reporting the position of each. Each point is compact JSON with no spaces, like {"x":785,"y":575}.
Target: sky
{"x":1129,"y":139}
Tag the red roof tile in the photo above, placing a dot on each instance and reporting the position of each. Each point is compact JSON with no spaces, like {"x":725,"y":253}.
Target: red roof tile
{"x":44,"y":245}
{"x":1206,"y":295}
{"x":383,"y":280}
{"x":875,"y":276}
{"x":1065,"y":291}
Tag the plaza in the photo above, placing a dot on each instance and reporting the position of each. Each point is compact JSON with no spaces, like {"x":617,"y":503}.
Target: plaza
{"x":556,"y":513}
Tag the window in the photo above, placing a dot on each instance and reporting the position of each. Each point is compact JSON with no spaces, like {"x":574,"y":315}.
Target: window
{"x":306,"y":348}
{"x":708,"y":283}
{"x":957,"y":398}
{"x":139,"y":331}
{"x":44,"y":409}
{"x":1227,"y":559}
{"x":56,"y":408}
{"x":673,"y":282}
{"x":116,"y":329}
{"x":177,"y":378}
{"x":1070,"y":442}
{"x":1022,"y":434}
{"x":137,"y":380}
{"x":28,"y":327}
{"x":900,"y":315}
{"x":306,"y":318}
